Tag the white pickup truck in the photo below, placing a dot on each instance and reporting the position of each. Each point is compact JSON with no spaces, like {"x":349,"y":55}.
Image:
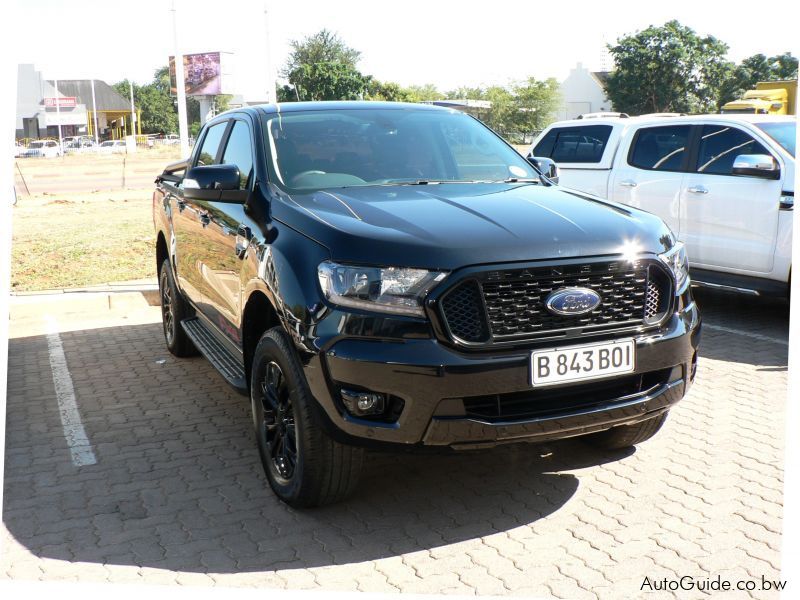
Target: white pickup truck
{"x":723,"y":183}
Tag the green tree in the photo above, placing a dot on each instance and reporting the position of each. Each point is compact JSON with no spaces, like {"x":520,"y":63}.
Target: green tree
{"x":321,"y":47}
{"x":156,"y":105}
{"x":466,"y":92}
{"x":322,"y":67}
{"x":517,"y":109}
{"x":420,"y":93}
{"x":667,"y":69}
{"x":328,"y":81}
{"x":754,"y":69}
{"x":388,"y":91}
{"x":534,"y":103}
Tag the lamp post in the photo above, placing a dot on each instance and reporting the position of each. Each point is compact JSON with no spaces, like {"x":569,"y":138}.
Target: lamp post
{"x":183,"y":128}
{"x":94,"y":115}
{"x":58,"y":115}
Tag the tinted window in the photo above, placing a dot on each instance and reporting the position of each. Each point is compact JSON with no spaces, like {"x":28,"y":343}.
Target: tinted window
{"x":660,"y":148}
{"x":208,"y":151}
{"x":784,"y":133}
{"x":582,"y":144}
{"x":342,"y":148}
{"x":719,"y":147}
{"x":239,"y":151}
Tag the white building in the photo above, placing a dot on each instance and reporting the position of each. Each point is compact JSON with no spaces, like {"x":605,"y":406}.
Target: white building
{"x":583,"y":91}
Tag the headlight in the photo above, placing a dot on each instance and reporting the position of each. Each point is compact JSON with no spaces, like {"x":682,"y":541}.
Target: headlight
{"x":678,"y":263}
{"x":390,"y":289}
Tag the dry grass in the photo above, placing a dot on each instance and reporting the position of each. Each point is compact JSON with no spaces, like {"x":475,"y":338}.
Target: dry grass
{"x":75,"y":240}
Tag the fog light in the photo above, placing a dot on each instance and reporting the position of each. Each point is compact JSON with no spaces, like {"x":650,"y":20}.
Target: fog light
{"x":360,"y":404}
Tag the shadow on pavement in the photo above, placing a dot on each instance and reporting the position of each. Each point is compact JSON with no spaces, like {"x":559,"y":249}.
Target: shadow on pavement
{"x":766,"y":319}
{"x":178,"y":484}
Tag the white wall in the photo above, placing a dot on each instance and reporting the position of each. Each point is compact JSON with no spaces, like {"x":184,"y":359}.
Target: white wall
{"x":581,"y":93}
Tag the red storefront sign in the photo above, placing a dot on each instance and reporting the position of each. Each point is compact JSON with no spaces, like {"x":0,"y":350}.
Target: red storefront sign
{"x":63,"y":102}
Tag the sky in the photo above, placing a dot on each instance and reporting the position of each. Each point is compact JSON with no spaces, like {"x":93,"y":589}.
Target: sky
{"x":446,"y":43}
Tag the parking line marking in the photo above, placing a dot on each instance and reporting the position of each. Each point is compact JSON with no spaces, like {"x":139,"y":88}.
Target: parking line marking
{"x":79,"y":446}
{"x":755,"y":336}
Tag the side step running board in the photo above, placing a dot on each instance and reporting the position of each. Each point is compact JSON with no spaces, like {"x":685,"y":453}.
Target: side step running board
{"x":227,"y":364}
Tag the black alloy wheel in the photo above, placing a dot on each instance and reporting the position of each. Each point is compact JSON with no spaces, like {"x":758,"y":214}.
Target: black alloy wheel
{"x":277,"y":422}
{"x":167,"y":309}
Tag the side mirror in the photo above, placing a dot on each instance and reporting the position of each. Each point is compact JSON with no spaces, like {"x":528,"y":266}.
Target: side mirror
{"x":215,"y":183}
{"x":545,"y":166}
{"x":756,"y":165}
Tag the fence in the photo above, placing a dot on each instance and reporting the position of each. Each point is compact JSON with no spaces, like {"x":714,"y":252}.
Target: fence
{"x":48,"y":147}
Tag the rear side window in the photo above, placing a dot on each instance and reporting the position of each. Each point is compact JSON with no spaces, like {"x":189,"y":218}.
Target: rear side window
{"x":208,"y":151}
{"x":719,"y":147}
{"x":660,"y":148}
{"x":581,"y":144}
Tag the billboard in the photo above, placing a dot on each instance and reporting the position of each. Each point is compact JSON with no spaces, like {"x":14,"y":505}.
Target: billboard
{"x":203,"y":74}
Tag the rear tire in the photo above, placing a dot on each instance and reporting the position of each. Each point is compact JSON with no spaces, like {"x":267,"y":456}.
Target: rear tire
{"x":304,"y":465}
{"x":174,"y":309}
{"x":625,"y":436}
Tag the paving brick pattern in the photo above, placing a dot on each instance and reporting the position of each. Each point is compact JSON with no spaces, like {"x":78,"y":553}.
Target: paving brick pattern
{"x":178,"y":496}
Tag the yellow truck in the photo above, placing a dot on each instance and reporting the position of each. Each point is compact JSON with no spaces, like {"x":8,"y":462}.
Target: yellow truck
{"x":769,"y":98}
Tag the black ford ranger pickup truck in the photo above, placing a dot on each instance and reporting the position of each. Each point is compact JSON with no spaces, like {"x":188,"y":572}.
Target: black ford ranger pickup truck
{"x":396,"y":275}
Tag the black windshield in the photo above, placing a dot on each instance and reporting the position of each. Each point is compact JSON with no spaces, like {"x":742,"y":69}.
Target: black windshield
{"x":358,"y":147}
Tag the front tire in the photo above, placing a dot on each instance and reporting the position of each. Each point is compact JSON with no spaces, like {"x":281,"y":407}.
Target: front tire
{"x":625,"y":436}
{"x":304,"y":465}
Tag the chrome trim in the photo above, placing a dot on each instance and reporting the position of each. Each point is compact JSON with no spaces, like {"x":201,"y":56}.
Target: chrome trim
{"x":730,"y":288}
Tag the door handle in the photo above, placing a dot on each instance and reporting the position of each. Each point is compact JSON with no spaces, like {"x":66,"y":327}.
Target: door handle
{"x":628,"y":183}
{"x":243,"y":235}
{"x":698,"y":189}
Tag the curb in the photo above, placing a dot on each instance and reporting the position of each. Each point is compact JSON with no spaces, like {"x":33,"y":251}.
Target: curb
{"x":109,"y":288}
{"x":85,"y":301}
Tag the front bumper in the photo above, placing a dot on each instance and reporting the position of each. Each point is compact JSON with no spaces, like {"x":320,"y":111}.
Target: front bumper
{"x":438,"y":385}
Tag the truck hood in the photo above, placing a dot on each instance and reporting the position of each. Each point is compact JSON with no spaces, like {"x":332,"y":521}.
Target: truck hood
{"x":446,"y":226}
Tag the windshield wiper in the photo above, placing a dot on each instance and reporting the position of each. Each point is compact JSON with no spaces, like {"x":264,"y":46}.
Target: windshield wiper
{"x":521,"y":180}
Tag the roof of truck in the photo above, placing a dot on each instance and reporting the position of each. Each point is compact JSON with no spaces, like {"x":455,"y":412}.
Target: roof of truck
{"x":286,"y":107}
{"x":646,"y":119}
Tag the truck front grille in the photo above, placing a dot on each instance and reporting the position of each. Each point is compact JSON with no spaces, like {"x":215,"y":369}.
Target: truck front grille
{"x":498,"y":306}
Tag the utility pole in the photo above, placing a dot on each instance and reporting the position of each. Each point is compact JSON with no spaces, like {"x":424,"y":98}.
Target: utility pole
{"x":271,"y":99}
{"x":183,"y":128}
{"x":58,"y":115}
{"x":133,"y":112}
{"x":94,"y":114}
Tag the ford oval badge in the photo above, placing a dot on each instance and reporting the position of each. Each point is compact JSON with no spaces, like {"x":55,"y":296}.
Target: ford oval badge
{"x":572,"y":301}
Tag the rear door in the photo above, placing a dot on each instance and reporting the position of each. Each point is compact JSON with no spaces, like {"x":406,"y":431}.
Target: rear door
{"x":650,"y":175}
{"x":583,"y":153}
{"x":728,"y":221}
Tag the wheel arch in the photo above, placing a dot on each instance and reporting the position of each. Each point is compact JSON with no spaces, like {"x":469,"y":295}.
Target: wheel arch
{"x":162,"y":251}
{"x":258,"y":316}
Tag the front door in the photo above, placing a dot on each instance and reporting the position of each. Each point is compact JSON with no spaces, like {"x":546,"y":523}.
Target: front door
{"x":651,"y":176}
{"x":728,"y":221}
{"x":225,"y":234}
{"x":189,"y":221}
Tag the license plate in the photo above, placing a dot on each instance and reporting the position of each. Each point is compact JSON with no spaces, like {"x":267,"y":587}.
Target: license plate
{"x":581,"y":363}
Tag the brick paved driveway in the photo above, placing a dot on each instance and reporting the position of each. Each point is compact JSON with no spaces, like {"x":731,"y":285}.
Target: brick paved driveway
{"x":178,"y":496}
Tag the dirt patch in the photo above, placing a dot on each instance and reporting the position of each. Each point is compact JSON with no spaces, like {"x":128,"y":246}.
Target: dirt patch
{"x":76,"y":240}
